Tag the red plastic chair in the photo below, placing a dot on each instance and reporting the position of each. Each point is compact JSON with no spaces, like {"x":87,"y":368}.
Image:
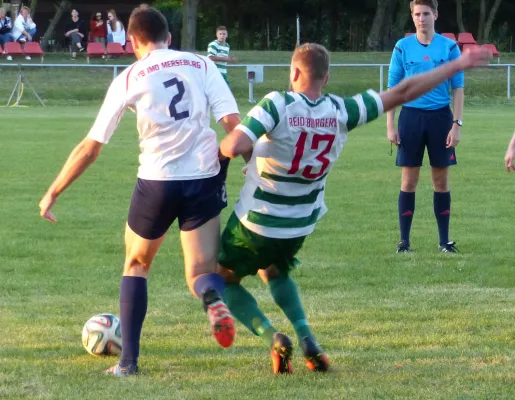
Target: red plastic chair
{"x":95,"y":50}
{"x":466,"y":38}
{"x":115,"y":49}
{"x":33,"y":49}
{"x":451,"y":36}
{"x":493,"y":49}
{"x":13,"y":49}
{"x":129,"y":49}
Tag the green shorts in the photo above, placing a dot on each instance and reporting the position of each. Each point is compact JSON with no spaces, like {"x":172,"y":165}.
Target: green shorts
{"x":245,"y":252}
{"x":226,"y":80}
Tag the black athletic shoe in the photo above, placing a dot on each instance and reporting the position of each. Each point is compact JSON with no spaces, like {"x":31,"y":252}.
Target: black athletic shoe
{"x":314,"y":356}
{"x":450,"y":247}
{"x":403,"y":247}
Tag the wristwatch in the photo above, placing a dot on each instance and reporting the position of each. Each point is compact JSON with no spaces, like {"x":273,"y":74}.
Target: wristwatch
{"x":458,"y":121}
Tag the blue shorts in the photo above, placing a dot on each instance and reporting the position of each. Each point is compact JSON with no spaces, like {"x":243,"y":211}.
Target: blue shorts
{"x":419,"y":128}
{"x":156,"y":204}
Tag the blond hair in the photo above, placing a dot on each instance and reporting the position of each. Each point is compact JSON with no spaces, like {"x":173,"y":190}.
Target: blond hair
{"x":314,"y":59}
{"x":115,"y":20}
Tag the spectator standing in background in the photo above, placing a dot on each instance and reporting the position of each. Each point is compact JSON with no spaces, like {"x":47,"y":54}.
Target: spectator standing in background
{"x":115,"y":29}
{"x":6,"y":27}
{"x":75,"y":31}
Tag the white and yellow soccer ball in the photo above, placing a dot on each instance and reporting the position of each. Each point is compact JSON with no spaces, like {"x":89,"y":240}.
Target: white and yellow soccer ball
{"x":101,"y":336}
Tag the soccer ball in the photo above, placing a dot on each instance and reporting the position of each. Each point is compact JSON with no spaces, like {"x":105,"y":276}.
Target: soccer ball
{"x":101,"y":335}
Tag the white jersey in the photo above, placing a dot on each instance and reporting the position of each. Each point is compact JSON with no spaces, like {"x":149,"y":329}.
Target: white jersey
{"x":172,"y":93}
{"x":297,"y":142}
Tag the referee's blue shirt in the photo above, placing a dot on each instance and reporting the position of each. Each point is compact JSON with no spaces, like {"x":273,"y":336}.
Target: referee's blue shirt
{"x":410,"y":58}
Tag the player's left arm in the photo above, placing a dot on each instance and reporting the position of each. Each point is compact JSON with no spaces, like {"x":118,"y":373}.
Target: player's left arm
{"x":458,"y":95}
{"x":89,"y":148}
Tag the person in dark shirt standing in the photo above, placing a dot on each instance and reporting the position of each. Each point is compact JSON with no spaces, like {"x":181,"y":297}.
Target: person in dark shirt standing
{"x":75,"y":30}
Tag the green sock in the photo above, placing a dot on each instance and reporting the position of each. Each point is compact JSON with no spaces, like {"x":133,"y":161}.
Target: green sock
{"x":245,"y":309}
{"x":286,"y":296}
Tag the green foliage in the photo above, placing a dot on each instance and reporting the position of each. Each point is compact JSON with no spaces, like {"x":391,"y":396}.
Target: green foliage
{"x":172,"y":10}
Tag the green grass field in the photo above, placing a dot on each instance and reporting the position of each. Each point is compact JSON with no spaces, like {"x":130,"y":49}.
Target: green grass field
{"x":412,"y":326}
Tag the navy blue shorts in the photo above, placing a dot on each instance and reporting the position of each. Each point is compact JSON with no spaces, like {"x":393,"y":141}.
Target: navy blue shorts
{"x":419,"y":128}
{"x":156,"y":204}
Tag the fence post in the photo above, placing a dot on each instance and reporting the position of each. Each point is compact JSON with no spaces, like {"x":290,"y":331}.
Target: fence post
{"x":381,"y":78}
{"x":115,"y":71}
{"x":509,"y":82}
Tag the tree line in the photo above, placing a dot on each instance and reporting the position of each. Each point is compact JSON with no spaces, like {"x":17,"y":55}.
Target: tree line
{"x":341,"y":25}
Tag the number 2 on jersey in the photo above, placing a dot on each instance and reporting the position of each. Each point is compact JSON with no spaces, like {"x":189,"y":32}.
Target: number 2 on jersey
{"x":315,"y":144}
{"x":175,"y":99}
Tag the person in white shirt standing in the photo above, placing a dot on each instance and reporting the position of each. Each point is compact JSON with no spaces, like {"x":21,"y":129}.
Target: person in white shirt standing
{"x":179,"y":176}
{"x":24,"y":28}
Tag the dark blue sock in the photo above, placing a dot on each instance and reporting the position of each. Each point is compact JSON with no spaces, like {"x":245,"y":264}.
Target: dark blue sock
{"x":209,"y":281}
{"x":442,"y":207}
{"x":133,"y":308}
{"x":406,"y":211}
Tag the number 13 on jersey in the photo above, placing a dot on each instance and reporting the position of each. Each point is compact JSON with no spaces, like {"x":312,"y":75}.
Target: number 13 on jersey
{"x":317,"y":143}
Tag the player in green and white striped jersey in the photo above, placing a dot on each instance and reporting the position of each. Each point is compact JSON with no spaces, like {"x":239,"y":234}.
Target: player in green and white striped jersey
{"x":295,"y":138}
{"x":218,"y":51}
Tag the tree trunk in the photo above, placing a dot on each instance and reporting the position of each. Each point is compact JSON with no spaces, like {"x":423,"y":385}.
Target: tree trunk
{"x":335,"y":21}
{"x":268,"y":33}
{"x":375,"y":35}
{"x":459,"y":15}
{"x":387,"y":29}
{"x":60,"y":8}
{"x":33,"y":5}
{"x":482,"y":18}
{"x":490,"y":20}
{"x":189,"y":25}
{"x":401,"y":19}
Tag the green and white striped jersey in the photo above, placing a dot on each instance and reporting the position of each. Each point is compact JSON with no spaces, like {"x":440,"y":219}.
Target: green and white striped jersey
{"x":297,"y":142}
{"x":218,"y":49}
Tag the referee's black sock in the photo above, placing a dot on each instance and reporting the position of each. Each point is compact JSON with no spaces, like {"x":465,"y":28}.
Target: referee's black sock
{"x":442,"y":208}
{"x":406,"y":211}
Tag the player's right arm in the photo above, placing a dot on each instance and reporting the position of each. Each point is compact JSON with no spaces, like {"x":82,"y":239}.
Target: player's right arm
{"x":88,"y":149}
{"x":414,"y":87}
{"x":261,"y":119}
{"x":395,"y":75}
{"x":510,"y":155}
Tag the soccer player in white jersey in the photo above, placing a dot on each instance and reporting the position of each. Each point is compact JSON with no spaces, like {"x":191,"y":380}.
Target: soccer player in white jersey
{"x":178,"y":178}
{"x":296,"y":137}
{"x":218,"y":51}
